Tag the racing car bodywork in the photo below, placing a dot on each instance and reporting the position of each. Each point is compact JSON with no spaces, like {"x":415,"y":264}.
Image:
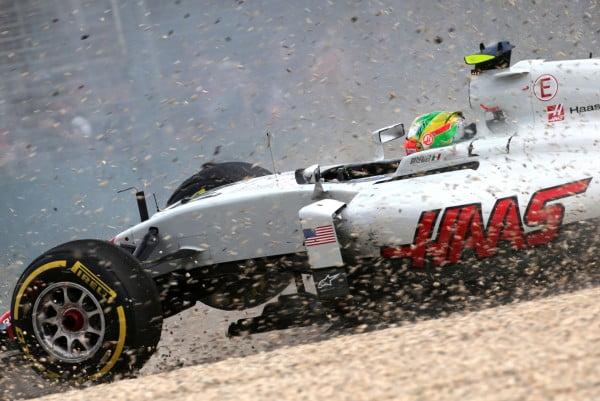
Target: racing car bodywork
{"x":523,"y":192}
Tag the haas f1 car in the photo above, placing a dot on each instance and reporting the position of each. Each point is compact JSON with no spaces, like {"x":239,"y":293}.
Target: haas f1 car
{"x":522,"y":192}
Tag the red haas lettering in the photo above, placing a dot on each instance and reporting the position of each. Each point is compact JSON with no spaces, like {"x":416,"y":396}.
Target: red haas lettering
{"x":550,"y":217}
{"x":462,"y":227}
{"x":504,"y":225}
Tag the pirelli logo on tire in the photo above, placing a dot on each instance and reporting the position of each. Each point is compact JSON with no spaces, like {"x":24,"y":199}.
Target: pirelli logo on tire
{"x":89,"y":278}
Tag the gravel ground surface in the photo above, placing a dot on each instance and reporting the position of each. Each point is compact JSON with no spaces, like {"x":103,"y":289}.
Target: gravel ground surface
{"x":196,"y":336}
{"x":547,"y":349}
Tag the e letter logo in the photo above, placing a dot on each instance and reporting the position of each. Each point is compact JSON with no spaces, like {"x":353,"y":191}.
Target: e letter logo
{"x":545,"y":87}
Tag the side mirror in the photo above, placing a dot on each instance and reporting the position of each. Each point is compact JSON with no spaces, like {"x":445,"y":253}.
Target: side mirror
{"x":312,"y":174}
{"x":385,"y":135}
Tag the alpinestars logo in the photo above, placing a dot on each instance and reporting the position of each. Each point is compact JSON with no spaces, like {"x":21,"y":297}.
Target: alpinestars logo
{"x":556,"y":112}
{"x":327,"y":281}
{"x":462,"y":228}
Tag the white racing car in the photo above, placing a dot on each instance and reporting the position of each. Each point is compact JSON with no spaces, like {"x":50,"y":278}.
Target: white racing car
{"x":523,"y":193}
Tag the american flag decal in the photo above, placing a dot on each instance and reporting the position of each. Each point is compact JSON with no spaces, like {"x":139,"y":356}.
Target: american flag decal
{"x":319,"y":235}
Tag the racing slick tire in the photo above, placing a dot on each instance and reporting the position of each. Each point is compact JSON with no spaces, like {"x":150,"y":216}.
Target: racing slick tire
{"x":86,"y":311}
{"x":216,"y":175}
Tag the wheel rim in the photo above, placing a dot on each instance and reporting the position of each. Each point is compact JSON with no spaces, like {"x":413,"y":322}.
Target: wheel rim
{"x":68,"y":322}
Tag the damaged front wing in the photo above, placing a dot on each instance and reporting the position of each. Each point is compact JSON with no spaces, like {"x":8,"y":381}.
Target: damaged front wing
{"x":6,"y":331}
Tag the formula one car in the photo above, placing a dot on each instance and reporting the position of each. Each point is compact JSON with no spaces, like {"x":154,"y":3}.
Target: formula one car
{"x":521,"y":193}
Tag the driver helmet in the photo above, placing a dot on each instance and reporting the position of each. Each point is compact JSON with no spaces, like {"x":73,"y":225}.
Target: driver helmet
{"x":434,"y":130}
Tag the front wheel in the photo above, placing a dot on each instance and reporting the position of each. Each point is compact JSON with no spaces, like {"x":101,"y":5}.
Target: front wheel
{"x":86,"y":311}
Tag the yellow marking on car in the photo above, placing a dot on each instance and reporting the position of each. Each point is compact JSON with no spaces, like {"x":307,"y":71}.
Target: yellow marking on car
{"x":52,"y":375}
{"x":478,"y":58}
{"x":120,"y":345}
{"x":93,"y":281}
{"x":21,"y":338}
{"x":201,"y":191}
{"x":29,"y":279}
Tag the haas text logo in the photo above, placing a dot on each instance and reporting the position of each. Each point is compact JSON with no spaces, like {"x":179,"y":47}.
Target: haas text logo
{"x":462,"y":227}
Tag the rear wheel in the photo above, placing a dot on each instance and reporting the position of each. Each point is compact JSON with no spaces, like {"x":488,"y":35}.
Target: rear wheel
{"x":216,"y":175}
{"x":86,"y":311}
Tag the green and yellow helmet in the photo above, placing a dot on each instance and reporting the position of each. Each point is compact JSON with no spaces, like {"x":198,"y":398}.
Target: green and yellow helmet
{"x":434,"y":130}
